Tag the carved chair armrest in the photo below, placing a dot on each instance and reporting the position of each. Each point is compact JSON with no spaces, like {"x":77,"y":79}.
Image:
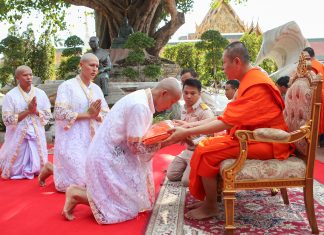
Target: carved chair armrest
{"x":260,"y":135}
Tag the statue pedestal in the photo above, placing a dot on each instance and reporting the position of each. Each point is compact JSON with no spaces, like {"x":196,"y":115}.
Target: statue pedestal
{"x":117,"y":54}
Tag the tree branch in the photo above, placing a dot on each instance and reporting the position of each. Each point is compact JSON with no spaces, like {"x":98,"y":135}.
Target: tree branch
{"x":163,"y":35}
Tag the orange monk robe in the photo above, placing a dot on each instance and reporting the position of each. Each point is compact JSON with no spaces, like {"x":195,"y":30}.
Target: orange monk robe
{"x":258,"y":104}
{"x":318,"y":67}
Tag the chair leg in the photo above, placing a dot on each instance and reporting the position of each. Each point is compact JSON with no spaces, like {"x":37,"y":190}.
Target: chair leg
{"x":229,"y":197}
{"x":274,"y":191}
{"x":219,"y":188}
{"x":284,"y":195}
{"x":309,"y":205}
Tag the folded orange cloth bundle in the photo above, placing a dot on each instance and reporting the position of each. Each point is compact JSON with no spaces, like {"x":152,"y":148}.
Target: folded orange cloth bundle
{"x":158,"y":132}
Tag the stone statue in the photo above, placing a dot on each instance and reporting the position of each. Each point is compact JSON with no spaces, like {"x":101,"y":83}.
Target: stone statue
{"x":124,"y":31}
{"x":104,"y":65}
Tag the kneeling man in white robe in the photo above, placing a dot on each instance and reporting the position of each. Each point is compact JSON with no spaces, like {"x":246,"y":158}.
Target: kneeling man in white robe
{"x":119,"y":173}
{"x":80,"y":107}
{"x":25,"y":112}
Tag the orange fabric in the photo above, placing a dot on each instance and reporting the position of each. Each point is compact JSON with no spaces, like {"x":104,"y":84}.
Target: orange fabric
{"x":319,"y":68}
{"x":321,"y":127}
{"x":258,"y":104}
{"x":158,"y":132}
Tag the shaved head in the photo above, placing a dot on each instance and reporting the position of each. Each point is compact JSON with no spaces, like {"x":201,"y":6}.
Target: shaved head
{"x":237,"y":49}
{"x":166,"y":93}
{"x":171,"y":85}
{"x":21,"y":69}
{"x":94,"y":38}
{"x":88,"y":57}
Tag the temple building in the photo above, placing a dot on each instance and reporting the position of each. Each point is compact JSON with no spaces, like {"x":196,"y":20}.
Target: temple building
{"x":222,"y":17}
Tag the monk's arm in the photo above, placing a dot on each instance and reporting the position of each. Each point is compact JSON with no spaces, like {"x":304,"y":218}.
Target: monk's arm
{"x":199,"y":123}
{"x":210,"y":127}
{"x":180,"y":133}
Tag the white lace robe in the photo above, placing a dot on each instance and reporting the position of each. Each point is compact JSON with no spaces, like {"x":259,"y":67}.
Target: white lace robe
{"x":24,"y":150}
{"x":73,"y":137}
{"x":119,"y":168}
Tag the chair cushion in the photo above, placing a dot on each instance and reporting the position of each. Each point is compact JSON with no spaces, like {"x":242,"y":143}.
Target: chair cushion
{"x":298,"y":108}
{"x":292,"y":167}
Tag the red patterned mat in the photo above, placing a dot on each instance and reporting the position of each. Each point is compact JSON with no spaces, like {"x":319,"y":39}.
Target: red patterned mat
{"x":256,"y":212}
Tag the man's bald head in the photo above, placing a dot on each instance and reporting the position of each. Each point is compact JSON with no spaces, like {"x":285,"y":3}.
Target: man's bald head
{"x":24,"y":76}
{"x":88,"y":57}
{"x":22,"y":68}
{"x":170,"y":84}
{"x":166,"y":93}
{"x":237,"y":50}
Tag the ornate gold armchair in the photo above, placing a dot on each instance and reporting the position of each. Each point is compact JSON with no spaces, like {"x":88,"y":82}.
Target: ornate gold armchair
{"x":302,"y":113}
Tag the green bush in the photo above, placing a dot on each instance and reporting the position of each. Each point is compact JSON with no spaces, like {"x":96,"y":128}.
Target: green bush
{"x":71,"y":51}
{"x":42,"y":59}
{"x":152,"y":71}
{"x":135,"y":57}
{"x":12,"y":47}
{"x":69,"y":67}
{"x":130,"y":73}
{"x":71,"y":58}
{"x":73,"y":41}
{"x":139,"y":41}
{"x":19,"y":49}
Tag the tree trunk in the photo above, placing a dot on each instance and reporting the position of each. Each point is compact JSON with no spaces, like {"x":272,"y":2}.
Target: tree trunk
{"x":143,"y":16}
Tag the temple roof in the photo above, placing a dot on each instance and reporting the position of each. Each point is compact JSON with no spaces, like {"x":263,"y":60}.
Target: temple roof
{"x":222,"y":17}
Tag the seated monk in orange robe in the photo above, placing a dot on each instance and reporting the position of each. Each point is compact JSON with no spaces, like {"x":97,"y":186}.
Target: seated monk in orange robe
{"x":317,"y":68}
{"x":258,"y":105}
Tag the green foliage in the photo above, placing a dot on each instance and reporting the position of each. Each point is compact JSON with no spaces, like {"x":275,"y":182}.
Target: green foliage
{"x":253,"y":43}
{"x":269,"y":65}
{"x":43,"y":58}
{"x":71,"y":51}
{"x":69,"y":67}
{"x":6,"y":75}
{"x":152,"y":71}
{"x":139,"y":41}
{"x":182,"y":6}
{"x":184,"y":54}
{"x":212,"y":45}
{"x":23,"y":49}
{"x":71,"y":58}
{"x":204,"y":56}
{"x":170,"y":51}
{"x":131,"y":73}
{"x":73,"y":41}
{"x":53,"y":12}
{"x":12,"y":48}
{"x":136,"y":57}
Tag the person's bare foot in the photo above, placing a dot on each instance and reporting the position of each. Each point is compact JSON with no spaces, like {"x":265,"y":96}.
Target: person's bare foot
{"x":70,"y":203}
{"x":203,"y":212}
{"x":46,"y":171}
{"x":194,"y":205}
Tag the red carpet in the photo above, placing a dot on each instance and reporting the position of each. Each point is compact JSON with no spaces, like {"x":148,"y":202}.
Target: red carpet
{"x":26,"y":208}
{"x":319,"y":171}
